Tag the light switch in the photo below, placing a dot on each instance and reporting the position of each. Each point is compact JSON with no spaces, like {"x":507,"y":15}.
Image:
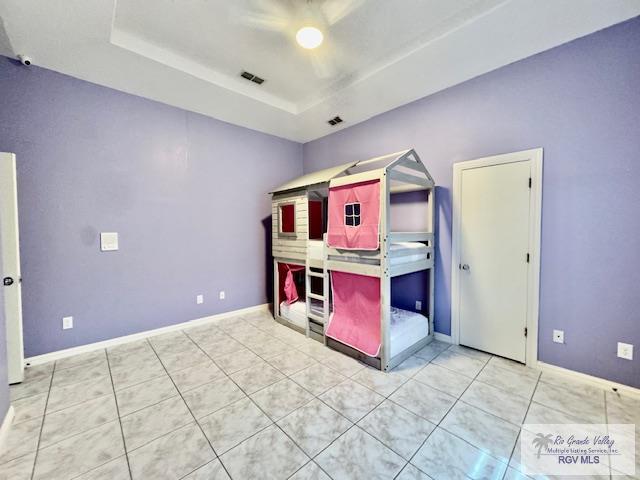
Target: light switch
{"x":625,"y":350}
{"x":108,"y":241}
{"x":67,"y":323}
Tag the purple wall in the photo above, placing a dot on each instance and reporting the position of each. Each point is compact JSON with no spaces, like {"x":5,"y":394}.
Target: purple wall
{"x":4,"y":380}
{"x":187,"y":194}
{"x":580,"y":102}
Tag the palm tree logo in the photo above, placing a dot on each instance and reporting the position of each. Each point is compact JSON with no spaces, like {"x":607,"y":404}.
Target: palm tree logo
{"x":542,"y":441}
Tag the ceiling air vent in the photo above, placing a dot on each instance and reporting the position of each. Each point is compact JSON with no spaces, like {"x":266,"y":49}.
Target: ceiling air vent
{"x":334,"y":121}
{"x":251,"y":77}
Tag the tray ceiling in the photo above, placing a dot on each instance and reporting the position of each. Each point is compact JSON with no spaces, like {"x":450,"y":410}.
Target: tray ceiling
{"x":377,"y":54}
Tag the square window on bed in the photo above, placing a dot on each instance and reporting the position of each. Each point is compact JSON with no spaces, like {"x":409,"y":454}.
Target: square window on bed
{"x":288,"y":219}
{"x":352,"y":214}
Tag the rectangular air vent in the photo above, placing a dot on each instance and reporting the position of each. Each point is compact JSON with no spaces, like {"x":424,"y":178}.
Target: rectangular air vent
{"x":334,"y":121}
{"x":251,"y":77}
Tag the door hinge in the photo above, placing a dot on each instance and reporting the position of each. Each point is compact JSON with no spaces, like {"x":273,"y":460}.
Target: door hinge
{"x":529,"y":182}
{"x":525,"y":331}
{"x":528,"y":258}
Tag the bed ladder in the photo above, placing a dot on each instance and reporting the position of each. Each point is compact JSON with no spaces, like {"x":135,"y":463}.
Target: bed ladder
{"x":316,"y":324}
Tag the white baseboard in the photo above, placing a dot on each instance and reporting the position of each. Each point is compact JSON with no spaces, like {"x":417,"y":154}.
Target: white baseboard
{"x":441,"y":337}
{"x":6,"y":426}
{"x":49,"y":357}
{"x":571,"y":374}
{"x":590,"y":379}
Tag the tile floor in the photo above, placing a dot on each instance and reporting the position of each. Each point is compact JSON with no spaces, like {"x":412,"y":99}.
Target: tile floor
{"x":247,"y":398}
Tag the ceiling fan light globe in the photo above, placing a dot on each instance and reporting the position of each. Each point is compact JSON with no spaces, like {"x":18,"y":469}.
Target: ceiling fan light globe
{"x":309,"y":37}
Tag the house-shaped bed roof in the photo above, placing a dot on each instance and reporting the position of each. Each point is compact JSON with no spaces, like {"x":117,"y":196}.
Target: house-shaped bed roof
{"x":314,"y":178}
{"x":406,"y":164}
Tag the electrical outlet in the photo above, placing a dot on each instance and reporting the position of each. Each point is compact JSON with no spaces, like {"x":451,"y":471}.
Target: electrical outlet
{"x":67,"y":323}
{"x":108,"y":241}
{"x":200,"y":299}
{"x":221,"y":295}
{"x":418,"y":305}
{"x":625,"y":350}
{"x":558,"y":336}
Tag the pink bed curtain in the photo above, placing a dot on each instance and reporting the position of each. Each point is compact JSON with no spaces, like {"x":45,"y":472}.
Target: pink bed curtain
{"x":290,"y":290}
{"x":365,"y":235}
{"x":356,"y":312}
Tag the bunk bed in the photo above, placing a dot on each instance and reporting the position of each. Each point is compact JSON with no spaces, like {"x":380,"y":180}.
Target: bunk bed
{"x":335,"y":225}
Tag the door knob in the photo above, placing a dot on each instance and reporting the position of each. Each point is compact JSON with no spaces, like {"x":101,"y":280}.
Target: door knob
{"x":7,"y":281}
{"x":465,"y":267}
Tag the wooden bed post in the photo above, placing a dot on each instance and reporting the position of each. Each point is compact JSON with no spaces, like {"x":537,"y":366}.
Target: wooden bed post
{"x":385,"y":274}
{"x":276,"y":288}
{"x":432,"y":287}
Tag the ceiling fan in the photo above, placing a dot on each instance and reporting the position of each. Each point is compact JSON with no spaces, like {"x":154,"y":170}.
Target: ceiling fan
{"x":305,"y":21}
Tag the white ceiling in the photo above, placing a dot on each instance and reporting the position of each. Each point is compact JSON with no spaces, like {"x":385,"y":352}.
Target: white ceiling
{"x":377,"y":54}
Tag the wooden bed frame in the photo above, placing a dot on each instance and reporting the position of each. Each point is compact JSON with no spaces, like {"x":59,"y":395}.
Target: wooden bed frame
{"x":399,"y":172}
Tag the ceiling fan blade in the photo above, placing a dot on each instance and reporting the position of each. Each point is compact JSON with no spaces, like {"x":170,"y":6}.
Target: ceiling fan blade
{"x":263,"y":22}
{"x":264,"y":15}
{"x":335,"y":10}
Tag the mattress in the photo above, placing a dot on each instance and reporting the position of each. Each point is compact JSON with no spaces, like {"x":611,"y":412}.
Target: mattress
{"x":399,"y":253}
{"x":407,"y":328}
{"x":296,"y":313}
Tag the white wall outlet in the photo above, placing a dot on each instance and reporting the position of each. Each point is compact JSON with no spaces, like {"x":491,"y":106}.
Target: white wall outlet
{"x":222,"y":295}
{"x":418,"y":305}
{"x":200,"y":299}
{"x":108,"y":241}
{"x":67,"y":323}
{"x":558,"y":336}
{"x":625,"y":350}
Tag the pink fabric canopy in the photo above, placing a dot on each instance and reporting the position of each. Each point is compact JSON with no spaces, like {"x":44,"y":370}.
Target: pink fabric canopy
{"x":356,"y":312}
{"x":364,"y":235}
{"x":290,"y":290}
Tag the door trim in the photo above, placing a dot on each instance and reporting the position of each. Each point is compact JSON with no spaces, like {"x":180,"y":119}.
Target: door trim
{"x":535,"y":224}
{"x":13,"y":324}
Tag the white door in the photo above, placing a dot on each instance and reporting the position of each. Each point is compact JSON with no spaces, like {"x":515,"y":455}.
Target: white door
{"x":11,"y":266}
{"x":493,"y":268}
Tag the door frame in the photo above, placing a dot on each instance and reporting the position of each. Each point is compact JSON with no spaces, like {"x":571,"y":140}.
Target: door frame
{"x":14,"y":333}
{"x":535,"y":224}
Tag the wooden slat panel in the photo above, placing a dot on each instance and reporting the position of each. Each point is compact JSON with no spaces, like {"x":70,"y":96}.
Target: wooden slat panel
{"x":411,"y":267}
{"x":292,"y":248}
{"x":288,"y":255}
{"x":289,"y":242}
{"x":410,"y":237}
{"x":301,"y":233}
{"x":300,"y":250}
